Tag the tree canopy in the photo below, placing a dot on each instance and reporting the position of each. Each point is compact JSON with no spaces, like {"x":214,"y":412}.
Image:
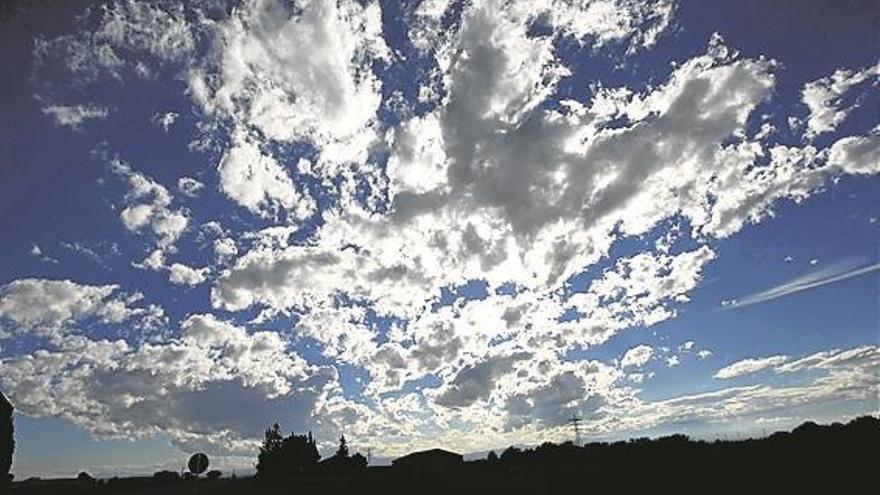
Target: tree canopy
{"x":286,"y":456}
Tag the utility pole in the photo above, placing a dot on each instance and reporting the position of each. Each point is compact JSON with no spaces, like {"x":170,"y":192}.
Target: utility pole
{"x":369,"y":455}
{"x":575,"y":423}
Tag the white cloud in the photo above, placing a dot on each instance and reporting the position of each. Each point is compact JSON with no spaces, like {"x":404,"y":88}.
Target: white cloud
{"x":822,"y":97}
{"x":598,"y":23}
{"x":37,"y":252}
{"x":856,"y":154}
{"x":476,"y":382}
{"x":259,"y":183}
{"x":748,"y":366}
{"x":115,"y":390}
{"x":844,"y":376}
{"x":179,"y":273}
{"x":863,"y":357}
{"x":113,"y":40}
{"x":637,"y":356}
{"x":299,"y":73}
{"x":48,"y":306}
{"x":74,"y":115}
{"x":189,"y":186}
{"x":224,"y":249}
{"x":148,"y":205}
{"x":160,"y":30}
{"x":164,"y":120}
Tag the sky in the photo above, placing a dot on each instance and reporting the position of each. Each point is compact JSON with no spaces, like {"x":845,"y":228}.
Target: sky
{"x":432,"y":224}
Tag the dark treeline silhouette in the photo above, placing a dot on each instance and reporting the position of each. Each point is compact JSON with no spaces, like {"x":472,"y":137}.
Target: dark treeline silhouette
{"x":836,"y":458}
{"x":808,"y":441}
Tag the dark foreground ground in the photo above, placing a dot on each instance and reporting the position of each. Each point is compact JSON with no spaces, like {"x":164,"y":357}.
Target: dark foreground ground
{"x":836,"y":459}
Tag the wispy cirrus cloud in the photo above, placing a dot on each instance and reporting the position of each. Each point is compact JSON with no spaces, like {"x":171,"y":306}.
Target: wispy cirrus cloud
{"x":838,"y":272}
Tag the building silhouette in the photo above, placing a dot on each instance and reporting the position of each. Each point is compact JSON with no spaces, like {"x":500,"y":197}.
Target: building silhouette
{"x":432,"y":462}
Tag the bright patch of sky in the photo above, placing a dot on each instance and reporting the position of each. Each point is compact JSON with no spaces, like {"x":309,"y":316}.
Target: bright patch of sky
{"x":434,"y":223}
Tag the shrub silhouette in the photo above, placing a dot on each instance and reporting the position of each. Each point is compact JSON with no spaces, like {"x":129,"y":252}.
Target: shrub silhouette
{"x":85,"y":478}
{"x":214,"y":474}
{"x":166,"y":477}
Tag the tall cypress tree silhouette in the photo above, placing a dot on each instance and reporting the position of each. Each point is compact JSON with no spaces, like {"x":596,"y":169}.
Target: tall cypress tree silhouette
{"x":7,"y":440}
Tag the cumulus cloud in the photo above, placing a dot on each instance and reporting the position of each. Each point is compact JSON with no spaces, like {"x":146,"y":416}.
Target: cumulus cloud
{"x":823,"y":96}
{"x":266,"y":78}
{"x":748,"y":366}
{"x":178,"y":273}
{"x":259,"y":183}
{"x":164,"y":120}
{"x":37,"y":252}
{"x":46,"y":306}
{"x":476,"y":382}
{"x":74,"y":115}
{"x":148,"y":207}
{"x":114,"y":389}
{"x":637,"y":356}
{"x":189,"y":186}
{"x":856,"y":154}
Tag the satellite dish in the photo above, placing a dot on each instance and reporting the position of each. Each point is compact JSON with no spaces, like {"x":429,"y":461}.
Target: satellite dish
{"x":198,"y":463}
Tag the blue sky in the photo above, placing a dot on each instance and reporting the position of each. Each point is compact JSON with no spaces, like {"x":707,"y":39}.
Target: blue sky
{"x":438,"y":224}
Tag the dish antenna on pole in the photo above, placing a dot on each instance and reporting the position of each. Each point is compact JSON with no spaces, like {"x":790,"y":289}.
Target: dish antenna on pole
{"x":198,"y":464}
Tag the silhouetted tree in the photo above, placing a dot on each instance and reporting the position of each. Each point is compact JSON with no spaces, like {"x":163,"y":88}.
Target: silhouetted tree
{"x":269,"y":459}
{"x":342,"y":451}
{"x":492,"y":457}
{"x":342,"y":462}
{"x":290,"y":456}
{"x":510,"y":454}
{"x":214,"y":474}
{"x":358,"y":462}
{"x":300,"y":453}
{"x":7,"y":440}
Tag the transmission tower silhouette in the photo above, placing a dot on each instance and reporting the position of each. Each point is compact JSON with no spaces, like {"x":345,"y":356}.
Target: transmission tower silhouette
{"x":575,"y":423}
